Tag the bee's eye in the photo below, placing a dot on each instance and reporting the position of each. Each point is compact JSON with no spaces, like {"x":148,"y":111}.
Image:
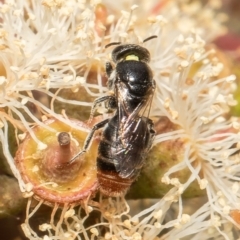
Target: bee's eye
{"x":132,"y":57}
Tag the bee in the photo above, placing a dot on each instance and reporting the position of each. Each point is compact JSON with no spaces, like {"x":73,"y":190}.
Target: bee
{"x":128,"y":135}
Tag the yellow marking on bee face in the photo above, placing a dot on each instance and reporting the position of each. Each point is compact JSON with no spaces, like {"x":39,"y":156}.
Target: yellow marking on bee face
{"x":132,"y":57}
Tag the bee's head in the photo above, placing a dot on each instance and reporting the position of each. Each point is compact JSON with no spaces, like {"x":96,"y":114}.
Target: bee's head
{"x":128,"y":52}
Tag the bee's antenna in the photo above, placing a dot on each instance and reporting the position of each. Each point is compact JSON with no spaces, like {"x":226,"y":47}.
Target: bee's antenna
{"x":112,"y":43}
{"x":149,"y":38}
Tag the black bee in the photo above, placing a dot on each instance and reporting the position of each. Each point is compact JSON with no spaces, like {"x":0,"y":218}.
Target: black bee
{"x":128,"y":135}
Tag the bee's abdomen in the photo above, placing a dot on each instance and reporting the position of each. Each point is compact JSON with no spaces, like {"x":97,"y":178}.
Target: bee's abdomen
{"x":107,"y":149}
{"x":111,"y":184}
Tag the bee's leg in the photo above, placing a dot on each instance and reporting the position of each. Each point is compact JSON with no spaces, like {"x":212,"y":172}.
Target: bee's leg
{"x":97,"y":101}
{"x":108,"y":68}
{"x":89,"y":138}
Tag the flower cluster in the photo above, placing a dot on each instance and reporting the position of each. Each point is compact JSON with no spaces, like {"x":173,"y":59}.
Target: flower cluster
{"x":53,"y":51}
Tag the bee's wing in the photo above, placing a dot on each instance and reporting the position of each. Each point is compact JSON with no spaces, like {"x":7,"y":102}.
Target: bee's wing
{"x":136,"y":133}
{"x":137,"y":142}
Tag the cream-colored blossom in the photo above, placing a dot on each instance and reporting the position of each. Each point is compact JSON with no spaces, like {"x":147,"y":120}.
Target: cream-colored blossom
{"x":209,"y":141}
